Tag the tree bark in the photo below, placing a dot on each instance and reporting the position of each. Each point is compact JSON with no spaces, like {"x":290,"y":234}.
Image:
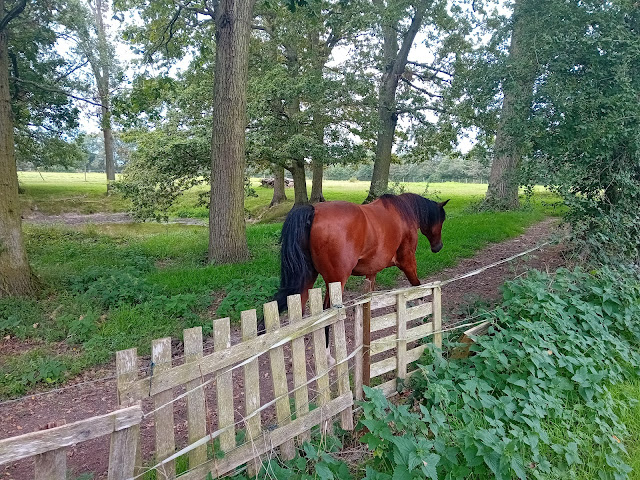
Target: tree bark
{"x":299,"y":182}
{"x":504,"y":179}
{"x":227,"y":230}
{"x":16,"y":277}
{"x":316,"y":183}
{"x":395,"y":61}
{"x":279,"y":194}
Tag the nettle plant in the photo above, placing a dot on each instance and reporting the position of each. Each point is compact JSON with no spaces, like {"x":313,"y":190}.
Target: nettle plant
{"x":533,"y":401}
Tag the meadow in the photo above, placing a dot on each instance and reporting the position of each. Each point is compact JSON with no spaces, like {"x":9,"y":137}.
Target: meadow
{"x":114,"y":286}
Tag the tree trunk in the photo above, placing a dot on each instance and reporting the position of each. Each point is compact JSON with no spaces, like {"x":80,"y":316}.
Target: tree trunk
{"x":101,"y":70}
{"x":299,"y":182}
{"x":279,"y":194}
{"x":227,"y":231}
{"x":316,"y":183}
{"x":16,"y":277}
{"x":395,"y":61}
{"x":504,"y":179}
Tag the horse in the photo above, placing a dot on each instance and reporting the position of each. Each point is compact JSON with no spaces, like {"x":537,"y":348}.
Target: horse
{"x":338,"y":239}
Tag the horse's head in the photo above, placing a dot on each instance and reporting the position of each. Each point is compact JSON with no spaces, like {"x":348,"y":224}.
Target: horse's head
{"x":432,"y":228}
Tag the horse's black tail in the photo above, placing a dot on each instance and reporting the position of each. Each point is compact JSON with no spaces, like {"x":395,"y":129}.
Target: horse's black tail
{"x":296,"y":267}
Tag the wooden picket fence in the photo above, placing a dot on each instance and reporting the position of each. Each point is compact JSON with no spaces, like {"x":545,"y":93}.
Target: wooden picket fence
{"x":312,"y":395}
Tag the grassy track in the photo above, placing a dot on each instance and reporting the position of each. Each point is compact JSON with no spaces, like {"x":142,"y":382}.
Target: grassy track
{"x":116,"y":286}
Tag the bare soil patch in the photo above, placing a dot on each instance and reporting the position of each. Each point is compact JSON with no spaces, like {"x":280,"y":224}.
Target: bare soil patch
{"x":85,"y":396}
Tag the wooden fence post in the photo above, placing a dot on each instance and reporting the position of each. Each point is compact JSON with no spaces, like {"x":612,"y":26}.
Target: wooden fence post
{"x":124,"y":453}
{"x":251,"y":388}
{"x":299,"y":357}
{"x":279,"y":376}
{"x":401,"y":328}
{"x":323,"y":386}
{"x":224,"y":387}
{"x":127,"y":374}
{"x":51,"y":465}
{"x":196,"y":413}
{"x":358,"y":343}
{"x":366,"y":337}
{"x":165,"y":438}
{"x":437,"y":317}
{"x":340,"y":344}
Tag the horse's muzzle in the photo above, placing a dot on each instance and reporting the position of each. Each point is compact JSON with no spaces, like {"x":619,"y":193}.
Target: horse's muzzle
{"x":437,"y":248}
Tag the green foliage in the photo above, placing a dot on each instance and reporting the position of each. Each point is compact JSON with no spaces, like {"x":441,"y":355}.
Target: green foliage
{"x":535,"y":400}
{"x":21,"y":373}
{"x":242,"y":296}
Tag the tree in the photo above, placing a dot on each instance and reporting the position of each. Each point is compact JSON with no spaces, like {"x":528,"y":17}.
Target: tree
{"x":510,"y":141}
{"x":16,"y":277}
{"x":409,"y":87}
{"x":93,"y":43}
{"x":227,"y":236}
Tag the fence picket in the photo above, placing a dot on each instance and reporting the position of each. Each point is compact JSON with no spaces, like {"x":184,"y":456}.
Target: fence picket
{"x":299,"y":358}
{"x":127,"y":375}
{"x":358,"y":336}
{"x":51,"y":465}
{"x":401,"y":345}
{"x":165,"y":438}
{"x":251,"y":387}
{"x":340,"y":344}
{"x":224,"y":386}
{"x":279,"y":376}
{"x":196,"y":413}
{"x":437,"y":317}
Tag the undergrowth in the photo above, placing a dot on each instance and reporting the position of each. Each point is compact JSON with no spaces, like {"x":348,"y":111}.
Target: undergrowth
{"x":534,"y":401}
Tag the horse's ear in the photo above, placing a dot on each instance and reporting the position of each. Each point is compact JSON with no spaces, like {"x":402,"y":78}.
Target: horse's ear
{"x":442,"y":204}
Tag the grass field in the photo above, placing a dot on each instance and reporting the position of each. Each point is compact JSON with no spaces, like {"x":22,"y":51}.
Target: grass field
{"x":115,"y":286}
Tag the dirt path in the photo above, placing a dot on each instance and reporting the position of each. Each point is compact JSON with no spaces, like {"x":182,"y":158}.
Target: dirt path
{"x":82,"y":400}
{"x":94,"y":218}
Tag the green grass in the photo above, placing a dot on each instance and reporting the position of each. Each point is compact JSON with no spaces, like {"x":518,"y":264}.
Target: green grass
{"x":54,"y":193}
{"x":111,"y":287}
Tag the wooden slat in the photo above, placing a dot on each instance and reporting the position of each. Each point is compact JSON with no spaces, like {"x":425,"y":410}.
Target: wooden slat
{"x":35,"y":443}
{"x":384,"y":321}
{"x":419,"y":332}
{"x":224,"y":386}
{"x":358,"y":339}
{"x":383,"y":366}
{"x":279,"y":376}
{"x":299,"y":358}
{"x":251,"y":387}
{"x":416,"y":293}
{"x":319,"y":343}
{"x":467,"y":340}
{"x":382,"y":301}
{"x":401,"y":329}
{"x":415,"y":353}
{"x":165,"y":438}
{"x":181,"y":374}
{"x":269,"y":440}
{"x":196,"y":412}
{"x":340,"y":344}
{"x":419,"y":311}
{"x":437,"y":317}
{"x":383,"y":344}
{"x":389,"y":388}
{"x":127,"y":377}
{"x":123,"y":453}
{"x":51,"y":465}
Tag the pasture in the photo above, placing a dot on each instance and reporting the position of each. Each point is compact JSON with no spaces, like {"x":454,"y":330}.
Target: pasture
{"x":110,"y":287}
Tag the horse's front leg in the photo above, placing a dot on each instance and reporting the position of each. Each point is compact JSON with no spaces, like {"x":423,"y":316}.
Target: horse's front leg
{"x":406,"y":261}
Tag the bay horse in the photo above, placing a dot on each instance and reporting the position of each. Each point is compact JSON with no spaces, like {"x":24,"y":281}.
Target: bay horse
{"x":338,"y":239}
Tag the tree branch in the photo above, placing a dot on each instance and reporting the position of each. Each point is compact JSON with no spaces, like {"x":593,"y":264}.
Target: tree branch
{"x":70,"y":71}
{"x":430,"y":67}
{"x":13,"y":13}
{"x":48,"y":88}
{"x":420,"y":89}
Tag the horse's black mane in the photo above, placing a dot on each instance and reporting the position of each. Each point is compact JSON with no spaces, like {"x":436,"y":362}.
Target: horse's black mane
{"x":415,"y":207}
